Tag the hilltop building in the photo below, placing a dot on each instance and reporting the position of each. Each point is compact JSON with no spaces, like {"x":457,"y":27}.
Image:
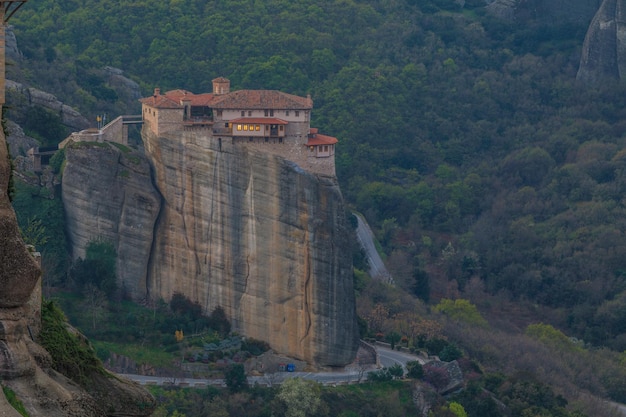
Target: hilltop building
{"x":270,"y":120}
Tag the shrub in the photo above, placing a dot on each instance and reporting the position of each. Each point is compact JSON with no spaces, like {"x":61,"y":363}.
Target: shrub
{"x":414,"y":370}
{"x":450,"y":352}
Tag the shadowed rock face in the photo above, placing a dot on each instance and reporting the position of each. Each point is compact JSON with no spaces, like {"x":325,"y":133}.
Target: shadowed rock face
{"x":25,"y":367}
{"x":603,"y":55}
{"x":108,"y":195}
{"x":19,"y":272}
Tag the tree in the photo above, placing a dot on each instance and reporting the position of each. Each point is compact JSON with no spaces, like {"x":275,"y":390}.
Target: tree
{"x":302,"y":398}
{"x":219,"y":322}
{"x":95,"y":302}
{"x":235,"y":377}
{"x":461,"y":310}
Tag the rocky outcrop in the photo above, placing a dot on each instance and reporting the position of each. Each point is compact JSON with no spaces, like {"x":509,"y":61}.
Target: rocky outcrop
{"x":238,"y":228}
{"x":544,"y":11}
{"x":25,"y":367}
{"x":21,"y":94}
{"x":108,"y":195}
{"x":603,"y":55}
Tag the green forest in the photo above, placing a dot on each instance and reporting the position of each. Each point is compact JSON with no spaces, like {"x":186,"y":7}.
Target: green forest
{"x":487,"y":171}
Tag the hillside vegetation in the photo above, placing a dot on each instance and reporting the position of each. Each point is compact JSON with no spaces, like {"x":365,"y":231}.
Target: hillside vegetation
{"x":487,"y":172}
{"x":464,"y":140}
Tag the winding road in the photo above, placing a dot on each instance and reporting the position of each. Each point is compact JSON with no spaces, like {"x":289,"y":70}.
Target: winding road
{"x":364,"y":235}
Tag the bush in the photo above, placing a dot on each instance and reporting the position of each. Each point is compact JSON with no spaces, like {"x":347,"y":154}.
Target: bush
{"x":380,"y":376}
{"x":414,"y":370}
{"x":450,"y":353}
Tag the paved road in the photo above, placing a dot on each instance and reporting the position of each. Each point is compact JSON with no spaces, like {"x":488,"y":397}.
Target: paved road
{"x":366,"y":239}
{"x":390,"y":357}
{"x":352,"y":375}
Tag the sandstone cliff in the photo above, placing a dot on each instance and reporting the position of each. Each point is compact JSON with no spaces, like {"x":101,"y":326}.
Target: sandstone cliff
{"x":238,"y":228}
{"x":108,"y":195}
{"x":25,"y":367}
{"x":603,"y":55}
{"x":254,"y":233}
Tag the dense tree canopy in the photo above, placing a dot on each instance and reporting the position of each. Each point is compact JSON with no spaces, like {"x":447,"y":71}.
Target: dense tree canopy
{"x":468,"y":135}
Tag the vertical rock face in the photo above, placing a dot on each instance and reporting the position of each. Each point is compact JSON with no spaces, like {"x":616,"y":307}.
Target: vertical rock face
{"x":227,"y":226}
{"x":604,"y":50}
{"x":108,"y":195}
{"x":257,"y":235}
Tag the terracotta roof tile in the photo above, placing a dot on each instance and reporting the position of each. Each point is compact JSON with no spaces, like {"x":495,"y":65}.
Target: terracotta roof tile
{"x":261,"y":99}
{"x":316,"y":139}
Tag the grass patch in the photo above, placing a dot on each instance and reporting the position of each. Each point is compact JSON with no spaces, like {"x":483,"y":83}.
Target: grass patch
{"x":121,"y":147}
{"x":71,"y":354}
{"x":140,"y":354}
{"x":14,"y":401}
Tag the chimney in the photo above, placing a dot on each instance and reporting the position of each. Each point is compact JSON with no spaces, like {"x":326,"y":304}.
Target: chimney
{"x":221,"y":85}
{"x":157,"y":91}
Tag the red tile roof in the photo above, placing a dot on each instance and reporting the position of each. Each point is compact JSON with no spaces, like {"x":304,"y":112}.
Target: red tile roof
{"x":160,"y":102}
{"x":242,"y":99}
{"x":261,"y":99}
{"x":259,"y":120}
{"x":316,"y":139}
{"x":195,"y":99}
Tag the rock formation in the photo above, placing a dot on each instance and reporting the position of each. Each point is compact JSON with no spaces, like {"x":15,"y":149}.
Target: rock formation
{"x":109,"y":196}
{"x":25,"y":367}
{"x":544,"y":11}
{"x":603,"y":55}
{"x":18,"y":93}
{"x":257,"y":235}
{"x":238,"y":228}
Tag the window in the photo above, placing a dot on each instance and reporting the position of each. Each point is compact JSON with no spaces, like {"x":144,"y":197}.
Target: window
{"x":271,"y":112}
{"x":245,"y":127}
{"x":325,"y":148}
{"x":257,"y":127}
{"x":287,"y":113}
{"x":249,"y":113}
{"x":266,"y":112}
{"x":281,"y":128}
{"x":219,"y":113}
{"x":243,"y":113}
{"x":226,"y":125}
{"x":239,"y":127}
{"x":297,"y":113}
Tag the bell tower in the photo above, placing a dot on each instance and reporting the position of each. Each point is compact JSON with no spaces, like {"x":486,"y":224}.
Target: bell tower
{"x":7,"y":9}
